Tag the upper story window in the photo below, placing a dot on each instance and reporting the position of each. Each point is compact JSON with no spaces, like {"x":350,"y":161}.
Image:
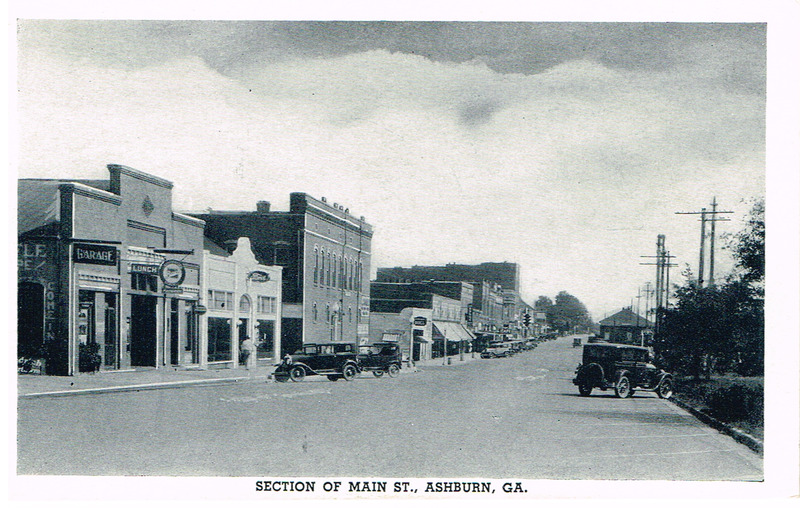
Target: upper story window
{"x":316,"y":266}
{"x":220,"y":300}
{"x":314,"y":310}
{"x":267,"y":304}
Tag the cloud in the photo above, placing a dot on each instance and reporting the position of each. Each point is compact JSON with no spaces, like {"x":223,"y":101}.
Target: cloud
{"x":571,"y":171}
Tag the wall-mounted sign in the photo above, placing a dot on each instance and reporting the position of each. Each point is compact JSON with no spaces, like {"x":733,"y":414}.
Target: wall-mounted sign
{"x":149,"y":269}
{"x":92,"y":254}
{"x":172,"y":272}
{"x":420,"y":321}
{"x":258,"y":276}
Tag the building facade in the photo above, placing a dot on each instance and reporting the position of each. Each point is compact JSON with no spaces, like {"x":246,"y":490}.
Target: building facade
{"x":497,"y":306}
{"x":325,"y":253}
{"x":108,"y":274}
{"x":626,"y":327}
{"x":242,"y":300}
{"x":444,"y":332}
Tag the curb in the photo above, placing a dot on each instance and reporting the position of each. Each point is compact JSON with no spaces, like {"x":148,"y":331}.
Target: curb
{"x":141,"y":387}
{"x":751,"y":442}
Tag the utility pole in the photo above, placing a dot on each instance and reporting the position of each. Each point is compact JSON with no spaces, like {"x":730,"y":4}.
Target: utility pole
{"x":712,"y":217}
{"x":662,"y":265}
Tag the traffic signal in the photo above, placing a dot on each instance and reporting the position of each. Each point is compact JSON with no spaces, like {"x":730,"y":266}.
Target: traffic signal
{"x":526,"y":318}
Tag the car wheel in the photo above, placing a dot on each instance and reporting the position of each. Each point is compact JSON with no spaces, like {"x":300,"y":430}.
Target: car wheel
{"x":393,"y":370}
{"x":585,"y":390}
{"x":623,"y":387}
{"x":665,"y":390}
{"x":377,"y":373}
{"x":349,"y":372}
{"x":333,"y":377}
{"x":297,"y":374}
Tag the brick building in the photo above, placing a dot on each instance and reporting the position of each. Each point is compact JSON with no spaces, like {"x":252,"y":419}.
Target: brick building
{"x":325,"y":253}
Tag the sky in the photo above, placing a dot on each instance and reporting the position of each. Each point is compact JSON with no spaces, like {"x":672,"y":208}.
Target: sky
{"x":564,"y":147}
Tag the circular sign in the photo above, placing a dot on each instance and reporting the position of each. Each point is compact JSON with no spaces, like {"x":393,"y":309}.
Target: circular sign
{"x":172,"y":272}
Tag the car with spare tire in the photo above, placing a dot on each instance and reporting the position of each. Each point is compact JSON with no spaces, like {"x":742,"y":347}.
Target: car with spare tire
{"x":623,"y":368}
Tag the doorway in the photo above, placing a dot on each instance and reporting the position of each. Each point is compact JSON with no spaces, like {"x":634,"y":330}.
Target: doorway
{"x":30,"y":319}
{"x":143,"y":331}
{"x":174,"y":332}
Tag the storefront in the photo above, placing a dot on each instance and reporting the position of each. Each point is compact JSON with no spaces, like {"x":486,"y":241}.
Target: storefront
{"x":242,"y":301}
{"x":411,"y":328}
{"x":108,"y":275}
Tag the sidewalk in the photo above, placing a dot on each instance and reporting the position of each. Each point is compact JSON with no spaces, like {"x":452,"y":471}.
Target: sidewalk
{"x":34,"y":386}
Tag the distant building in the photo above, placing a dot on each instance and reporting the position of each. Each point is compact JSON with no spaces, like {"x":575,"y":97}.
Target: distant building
{"x":444,"y":331}
{"x":497,"y":306}
{"x":325,"y":253}
{"x":626,"y":327}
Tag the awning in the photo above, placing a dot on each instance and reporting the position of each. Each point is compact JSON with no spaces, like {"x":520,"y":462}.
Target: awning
{"x":454,"y":332}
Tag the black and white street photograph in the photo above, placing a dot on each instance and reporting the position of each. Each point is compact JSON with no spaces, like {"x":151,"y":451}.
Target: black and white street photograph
{"x":286,"y":254}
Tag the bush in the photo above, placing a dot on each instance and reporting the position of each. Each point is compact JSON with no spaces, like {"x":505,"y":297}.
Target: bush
{"x":89,"y":359}
{"x":738,"y":401}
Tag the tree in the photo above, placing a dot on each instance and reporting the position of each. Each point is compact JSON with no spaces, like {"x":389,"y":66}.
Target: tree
{"x":720,"y":328}
{"x":748,"y":245}
{"x":568,"y":312}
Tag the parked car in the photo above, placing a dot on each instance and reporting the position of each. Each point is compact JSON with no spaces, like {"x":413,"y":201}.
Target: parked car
{"x":621,"y":367}
{"x":576,"y":342}
{"x":336,"y":360}
{"x":497,"y":350}
{"x":380,"y":358}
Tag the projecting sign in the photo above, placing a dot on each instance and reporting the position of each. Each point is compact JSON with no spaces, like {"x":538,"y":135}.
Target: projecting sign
{"x":172,"y":272}
{"x":420,"y":321}
{"x":92,"y":254}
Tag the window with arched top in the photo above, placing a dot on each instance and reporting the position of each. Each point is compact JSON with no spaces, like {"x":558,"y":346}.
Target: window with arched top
{"x":314,"y":310}
{"x":316,"y":265}
{"x":244,"y":304}
{"x":327,"y":313}
{"x":328,"y":271}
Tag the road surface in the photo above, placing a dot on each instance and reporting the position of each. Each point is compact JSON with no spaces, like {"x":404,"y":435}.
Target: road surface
{"x":517,"y":417}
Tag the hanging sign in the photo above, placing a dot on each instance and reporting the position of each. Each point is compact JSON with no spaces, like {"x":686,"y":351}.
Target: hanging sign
{"x":172,"y":272}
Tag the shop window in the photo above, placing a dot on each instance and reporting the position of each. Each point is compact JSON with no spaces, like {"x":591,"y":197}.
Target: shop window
{"x":265,"y":340}
{"x":219,"y":339}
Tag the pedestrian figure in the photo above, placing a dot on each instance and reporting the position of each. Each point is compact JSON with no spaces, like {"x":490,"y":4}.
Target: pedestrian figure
{"x":247,"y":348}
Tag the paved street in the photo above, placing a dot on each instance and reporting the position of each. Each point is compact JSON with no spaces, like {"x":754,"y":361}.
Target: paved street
{"x":503,"y":418}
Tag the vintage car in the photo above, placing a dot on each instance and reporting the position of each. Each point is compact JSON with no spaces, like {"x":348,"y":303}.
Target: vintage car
{"x":336,"y":360}
{"x":621,"y":367}
{"x":380,"y":358}
{"x":576,"y":342}
{"x":497,"y":350}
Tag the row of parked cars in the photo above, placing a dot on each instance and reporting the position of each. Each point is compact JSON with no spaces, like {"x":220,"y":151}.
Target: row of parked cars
{"x":340,"y":360}
{"x":501,"y":349}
